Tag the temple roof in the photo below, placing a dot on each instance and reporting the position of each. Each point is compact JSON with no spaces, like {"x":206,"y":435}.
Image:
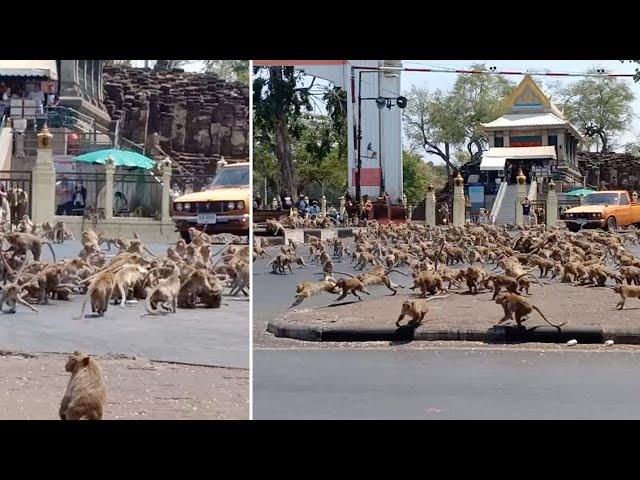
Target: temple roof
{"x":527,"y":120}
{"x":529,"y":106}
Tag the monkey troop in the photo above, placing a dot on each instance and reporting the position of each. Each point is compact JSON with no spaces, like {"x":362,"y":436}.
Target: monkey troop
{"x":190,"y":275}
{"x":484,"y":258}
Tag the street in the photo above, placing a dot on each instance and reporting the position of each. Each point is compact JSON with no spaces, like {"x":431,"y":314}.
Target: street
{"x":438,"y":384}
{"x":199,"y":336}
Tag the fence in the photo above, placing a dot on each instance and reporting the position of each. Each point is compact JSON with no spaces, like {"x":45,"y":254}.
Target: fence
{"x":14,"y":182}
{"x":77,"y":144}
{"x":137,"y":195}
{"x":76,"y":192}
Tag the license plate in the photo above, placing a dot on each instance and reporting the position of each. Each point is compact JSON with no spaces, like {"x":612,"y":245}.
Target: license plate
{"x":581,"y":221}
{"x":207,"y":218}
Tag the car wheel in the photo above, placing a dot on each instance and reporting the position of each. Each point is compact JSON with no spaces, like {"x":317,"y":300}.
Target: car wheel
{"x":612,"y":225}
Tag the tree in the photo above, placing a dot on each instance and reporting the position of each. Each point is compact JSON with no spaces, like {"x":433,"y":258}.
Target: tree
{"x":439,"y":121}
{"x":600,"y":107}
{"x":416,"y":175}
{"x":277,"y":107}
{"x":170,"y":64}
{"x":319,"y":160}
{"x":229,"y":70}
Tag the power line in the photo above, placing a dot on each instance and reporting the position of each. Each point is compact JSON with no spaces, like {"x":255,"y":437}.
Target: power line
{"x":494,"y":71}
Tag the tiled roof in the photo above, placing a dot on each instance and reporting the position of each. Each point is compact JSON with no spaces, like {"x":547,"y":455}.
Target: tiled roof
{"x":527,"y":120}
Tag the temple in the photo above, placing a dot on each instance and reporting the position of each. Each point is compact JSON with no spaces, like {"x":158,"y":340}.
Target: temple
{"x":532,"y":135}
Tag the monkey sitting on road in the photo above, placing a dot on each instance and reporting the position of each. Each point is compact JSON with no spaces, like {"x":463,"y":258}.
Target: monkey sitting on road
{"x":86,"y":394}
{"x":416,"y":309}
{"x":515,"y":304}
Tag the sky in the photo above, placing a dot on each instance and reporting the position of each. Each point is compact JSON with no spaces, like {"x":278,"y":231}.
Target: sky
{"x":445,"y":81}
{"x":194,"y":66}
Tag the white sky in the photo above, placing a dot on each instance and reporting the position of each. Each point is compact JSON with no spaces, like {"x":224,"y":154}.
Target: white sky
{"x":445,"y":81}
{"x":194,"y":66}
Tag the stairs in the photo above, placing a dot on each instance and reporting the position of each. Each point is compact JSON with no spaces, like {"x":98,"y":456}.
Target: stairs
{"x":507,"y":213}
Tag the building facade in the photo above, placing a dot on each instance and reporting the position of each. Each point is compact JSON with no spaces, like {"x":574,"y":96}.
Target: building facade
{"x":532,"y":135}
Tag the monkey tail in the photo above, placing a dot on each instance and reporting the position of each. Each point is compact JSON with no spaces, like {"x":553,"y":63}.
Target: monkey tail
{"x":438,"y":297}
{"x":84,"y":302}
{"x":545,"y":318}
{"x":345,"y":273}
{"x":52,"y":252}
{"x":397,"y":271}
{"x":149,"y":308}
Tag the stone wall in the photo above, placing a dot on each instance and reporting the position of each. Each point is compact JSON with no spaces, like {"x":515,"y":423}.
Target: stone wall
{"x":198,"y":117}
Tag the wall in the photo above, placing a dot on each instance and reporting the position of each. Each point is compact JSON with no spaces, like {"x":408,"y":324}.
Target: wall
{"x":198,"y":117}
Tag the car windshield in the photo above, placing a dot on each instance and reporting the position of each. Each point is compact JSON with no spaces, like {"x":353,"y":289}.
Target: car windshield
{"x":232,"y":176}
{"x":601,"y":199}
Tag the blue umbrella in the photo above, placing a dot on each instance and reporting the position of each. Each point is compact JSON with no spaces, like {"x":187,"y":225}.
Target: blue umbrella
{"x":124,"y":158}
{"x":580,"y":192}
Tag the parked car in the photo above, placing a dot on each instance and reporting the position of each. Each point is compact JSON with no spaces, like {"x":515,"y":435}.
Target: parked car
{"x":221,"y":208}
{"x":606,"y":209}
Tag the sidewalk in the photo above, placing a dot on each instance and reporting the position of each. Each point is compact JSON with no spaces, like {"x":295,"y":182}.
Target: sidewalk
{"x":33,"y":385}
{"x":589,"y":311}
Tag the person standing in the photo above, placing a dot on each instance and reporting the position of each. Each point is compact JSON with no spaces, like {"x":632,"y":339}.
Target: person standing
{"x":367,"y":207}
{"x":526,"y":211}
{"x":52,"y":97}
{"x":444,"y":212}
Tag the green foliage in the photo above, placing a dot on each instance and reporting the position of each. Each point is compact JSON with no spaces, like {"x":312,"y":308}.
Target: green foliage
{"x":417,"y":174}
{"x":439,"y":122}
{"x":600,"y":107}
{"x":320,"y":165}
{"x":276,"y":96}
{"x":229,"y":70}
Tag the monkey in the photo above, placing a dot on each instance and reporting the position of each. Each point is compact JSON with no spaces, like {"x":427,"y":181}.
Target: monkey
{"x":630,"y":274}
{"x":189,"y":290}
{"x":242,"y":278}
{"x":473,"y":276}
{"x":61,"y":233}
{"x":515,"y":304}
{"x":164,"y":294}
{"x":86,"y":394}
{"x":503,"y":281}
{"x":21,"y":243}
{"x":309,"y":288}
{"x":428,"y":282}
{"x":350,"y":285}
{"x":416,"y":309}
{"x":100,"y":290}
{"x":363,"y":259}
{"x":327,"y":268}
{"x":11,"y":293}
{"x":126,"y":278}
{"x":275,"y":227}
{"x":632,"y":291}
{"x":543,"y":264}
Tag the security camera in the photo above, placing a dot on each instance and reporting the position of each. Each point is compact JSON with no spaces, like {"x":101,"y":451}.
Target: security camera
{"x":381,"y":102}
{"x":401,"y":102}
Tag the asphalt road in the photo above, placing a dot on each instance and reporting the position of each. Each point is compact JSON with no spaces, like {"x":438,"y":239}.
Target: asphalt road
{"x":446,"y":384}
{"x":274,"y":293}
{"x":201,"y":336}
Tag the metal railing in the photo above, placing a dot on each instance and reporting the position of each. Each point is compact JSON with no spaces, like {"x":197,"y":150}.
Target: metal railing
{"x":497,"y":204}
{"x":16,"y":181}
{"x":137,"y":195}
{"x":77,"y":191}
{"x":86,"y":142}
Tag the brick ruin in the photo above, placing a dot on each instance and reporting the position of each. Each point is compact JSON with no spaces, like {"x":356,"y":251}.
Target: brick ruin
{"x":198,"y":117}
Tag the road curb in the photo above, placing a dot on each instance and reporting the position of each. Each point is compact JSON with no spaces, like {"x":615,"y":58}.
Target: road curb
{"x":497,"y":334}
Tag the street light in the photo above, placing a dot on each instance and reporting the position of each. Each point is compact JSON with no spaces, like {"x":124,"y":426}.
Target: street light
{"x":381,"y":102}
